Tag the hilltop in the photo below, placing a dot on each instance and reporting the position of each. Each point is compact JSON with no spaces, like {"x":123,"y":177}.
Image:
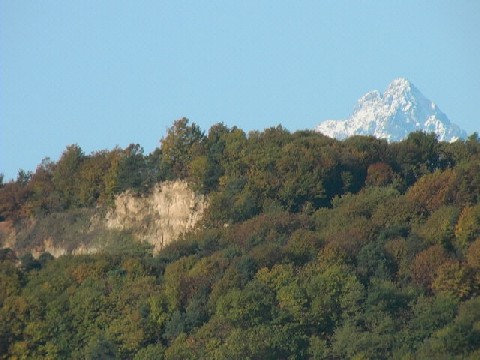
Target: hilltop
{"x":294,"y":246}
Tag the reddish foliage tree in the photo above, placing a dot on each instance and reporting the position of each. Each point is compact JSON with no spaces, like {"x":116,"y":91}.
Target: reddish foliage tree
{"x":379,"y":174}
{"x":425,"y":265}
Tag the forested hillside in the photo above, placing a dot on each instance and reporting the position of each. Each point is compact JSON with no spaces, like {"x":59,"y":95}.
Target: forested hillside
{"x":310,"y":248}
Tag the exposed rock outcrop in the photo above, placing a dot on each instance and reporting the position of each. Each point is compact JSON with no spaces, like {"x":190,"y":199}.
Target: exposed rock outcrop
{"x":159,"y":218}
{"x":172,"y":209}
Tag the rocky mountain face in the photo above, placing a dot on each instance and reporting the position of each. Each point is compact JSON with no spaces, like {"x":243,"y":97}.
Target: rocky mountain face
{"x":400,"y":110}
{"x":159,"y":218}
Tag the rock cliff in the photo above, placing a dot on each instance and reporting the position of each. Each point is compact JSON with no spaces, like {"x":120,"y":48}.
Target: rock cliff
{"x":158,"y":218}
{"x":172,"y":209}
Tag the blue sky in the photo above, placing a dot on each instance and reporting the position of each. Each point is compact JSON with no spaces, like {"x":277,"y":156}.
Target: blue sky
{"x":106,"y":73}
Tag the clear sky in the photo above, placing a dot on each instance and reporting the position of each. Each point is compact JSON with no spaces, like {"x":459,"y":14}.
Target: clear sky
{"x":106,"y":73}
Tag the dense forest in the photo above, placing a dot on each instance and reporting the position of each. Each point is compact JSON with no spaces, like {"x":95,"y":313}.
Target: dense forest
{"x":311,"y":248}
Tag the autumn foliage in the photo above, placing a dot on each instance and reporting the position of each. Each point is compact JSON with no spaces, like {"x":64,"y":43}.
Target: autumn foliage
{"x":311,"y":248}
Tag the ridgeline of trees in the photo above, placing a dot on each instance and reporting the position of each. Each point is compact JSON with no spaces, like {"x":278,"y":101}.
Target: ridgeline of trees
{"x":311,"y":248}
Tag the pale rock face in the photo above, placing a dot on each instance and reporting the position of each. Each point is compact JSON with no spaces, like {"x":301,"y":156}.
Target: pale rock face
{"x":172,"y":209}
{"x":158,"y":219}
{"x":7,"y":234}
{"x":400,"y":110}
{"x":50,"y":247}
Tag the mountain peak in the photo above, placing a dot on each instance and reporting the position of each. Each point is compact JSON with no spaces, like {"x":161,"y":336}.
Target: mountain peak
{"x":401,"y":109}
{"x":400,"y":87}
{"x":400,"y":83}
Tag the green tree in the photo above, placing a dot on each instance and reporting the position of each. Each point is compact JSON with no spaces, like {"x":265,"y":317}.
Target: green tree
{"x":468,"y":227}
{"x":100,"y":348}
{"x":334,"y":294}
{"x":92,"y":182}
{"x":181,"y":144}
{"x":151,"y":352}
{"x":132,"y":170}
{"x":429,"y":314}
{"x":65,"y":175}
{"x":459,"y":338}
{"x":439,"y":228}
{"x":417,"y":155}
{"x":214,"y":166}
{"x":455,"y":279}
{"x":254,"y":305}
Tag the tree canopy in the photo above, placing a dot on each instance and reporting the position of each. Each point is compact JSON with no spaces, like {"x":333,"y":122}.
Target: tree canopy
{"x":311,"y":248}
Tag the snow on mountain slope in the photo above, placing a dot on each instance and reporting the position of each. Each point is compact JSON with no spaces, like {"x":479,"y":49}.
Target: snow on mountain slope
{"x":401,"y":109}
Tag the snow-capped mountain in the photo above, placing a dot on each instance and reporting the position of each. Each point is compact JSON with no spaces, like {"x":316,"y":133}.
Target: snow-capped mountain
{"x":401,"y":109}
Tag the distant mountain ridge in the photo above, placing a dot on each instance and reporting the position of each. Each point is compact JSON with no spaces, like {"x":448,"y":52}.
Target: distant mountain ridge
{"x":400,"y":110}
